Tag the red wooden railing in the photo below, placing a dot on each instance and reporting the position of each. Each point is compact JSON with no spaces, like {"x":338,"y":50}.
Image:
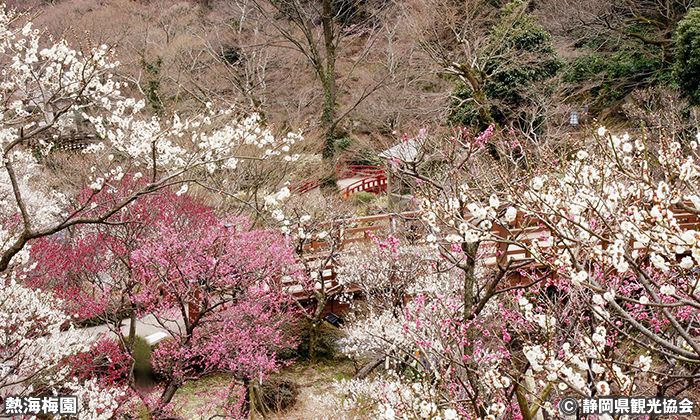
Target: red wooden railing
{"x":376,"y":184}
{"x":354,"y":171}
{"x":374,"y":180}
{"x":404,"y":225}
{"x":305,"y":185}
{"x":411,"y":228}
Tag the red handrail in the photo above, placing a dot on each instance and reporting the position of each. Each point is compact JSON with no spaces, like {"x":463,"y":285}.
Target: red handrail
{"x":373,"y":184}
{"x":344,"y":172}
{"x":306,"y":185}
{"x":363,"y":170}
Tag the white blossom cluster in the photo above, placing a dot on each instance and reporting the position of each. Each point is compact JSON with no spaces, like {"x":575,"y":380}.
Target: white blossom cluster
{"x":298,"y":222}
{"x":614,"y":188}
{"x":214,"y":147}
{"x":546,"y":322}
{"x":571,"y":367}
{"x":53,"y":94}
{"x":45,"y":205}
{"x":32,"y":340}
{"x":96,"y":401}
{"x":394,"y":399}
{"x":614,"y":204}
{"x":465,"y":220}
{"x":384,"y":325}
{"x":612,"y":225}
{"x":620,"y":192}
{"x":571,"y":364}
{"x":419,"y":325}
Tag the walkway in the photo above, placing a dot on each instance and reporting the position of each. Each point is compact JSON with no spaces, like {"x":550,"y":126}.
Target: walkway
{"x":146,"y":327}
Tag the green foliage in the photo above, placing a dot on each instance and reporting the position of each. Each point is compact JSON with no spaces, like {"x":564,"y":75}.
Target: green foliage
{"x":616,"y":74}
{"x":342,"y":144}
{"x":464,"y":111}
{"x":153,"y":84}
{"x":143,"y":368}
{"x":524,"y":57}
{"x":363,"y":197}
{"x":366,"y":157}
{"x":325,"y":347}
{"x":232,"y":55}
{"x":687,"y":65}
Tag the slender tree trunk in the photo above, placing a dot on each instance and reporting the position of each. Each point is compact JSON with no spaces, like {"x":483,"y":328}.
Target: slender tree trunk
{"x":476,"y":82}
{"x":314,"y":335}
{"x":470,"y":249}
{"x":165,"y":399}
{"x":329,"y":103}
{"x":132,"y":328}
{"x":483,"y":107}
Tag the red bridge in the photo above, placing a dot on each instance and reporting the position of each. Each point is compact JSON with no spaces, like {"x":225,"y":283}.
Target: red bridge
{"x":351,"y":179}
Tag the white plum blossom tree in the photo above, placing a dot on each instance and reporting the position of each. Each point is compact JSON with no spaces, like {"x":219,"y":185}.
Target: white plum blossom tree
{"x":575,"y":278}
{"x":68,"y":137}
{"x":54,"y":96}
{"x":34,"y":343}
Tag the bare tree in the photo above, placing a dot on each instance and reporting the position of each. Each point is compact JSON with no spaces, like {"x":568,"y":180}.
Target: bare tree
{"x":324,"y":32}
{"x":499,"y":54}
{"x":647,"y":23}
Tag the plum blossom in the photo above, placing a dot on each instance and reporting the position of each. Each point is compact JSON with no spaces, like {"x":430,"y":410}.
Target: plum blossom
{"x":667,"y":289}
{"x":511,"y":214}
{"x":537,"y":183}
{"x":644,"y":363}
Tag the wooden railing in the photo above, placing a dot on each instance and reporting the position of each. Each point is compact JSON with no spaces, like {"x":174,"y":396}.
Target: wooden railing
{"x":305,"y":185}
{"x":528,"y":234}
{"x":408,"y":226}
{"x":399,"y":224}
{"x":353,"y":171}
{"x":344,"y":172}
{"x":404,"y":225}
{"x":376,"y":184}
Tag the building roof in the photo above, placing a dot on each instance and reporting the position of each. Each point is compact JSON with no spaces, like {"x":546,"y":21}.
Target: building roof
{"x":406,"y":151}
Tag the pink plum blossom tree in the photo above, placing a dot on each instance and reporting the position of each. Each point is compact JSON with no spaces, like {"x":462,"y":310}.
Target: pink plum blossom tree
{"x":212,"y":284}
{"x":215,"y":286}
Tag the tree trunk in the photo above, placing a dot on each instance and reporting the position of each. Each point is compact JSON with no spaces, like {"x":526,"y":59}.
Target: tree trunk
{"x":165,"y":398}
{"x":329,"y":103}
{"x":314,"y":335}
{"x":483,"y":107}
{"x":328,"y":127}
{"x":470,"y":249}
{"x":369,"y":367}
{"x":476,"y":82}
{"x":132,"y":328}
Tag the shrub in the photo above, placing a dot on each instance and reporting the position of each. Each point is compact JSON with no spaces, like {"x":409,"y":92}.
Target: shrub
{"x":279,"y":394}
{"x":687,"y":66}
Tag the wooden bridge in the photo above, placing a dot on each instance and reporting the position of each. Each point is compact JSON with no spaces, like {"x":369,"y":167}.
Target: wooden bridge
{"x":405,"y":225}
{"x":351,"y":179}
{"x":409,"y":227}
